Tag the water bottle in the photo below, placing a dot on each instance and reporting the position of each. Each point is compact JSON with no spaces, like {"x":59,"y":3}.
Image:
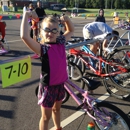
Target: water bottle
{"x":91,"y":126}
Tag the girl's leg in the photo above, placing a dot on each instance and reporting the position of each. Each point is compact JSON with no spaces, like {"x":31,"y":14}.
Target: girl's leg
{"x":56,"y":114}
{"x":45,"y":117}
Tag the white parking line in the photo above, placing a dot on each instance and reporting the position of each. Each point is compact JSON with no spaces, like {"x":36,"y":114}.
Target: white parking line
{"x":14,"y":41}
{"x":81,"y":112}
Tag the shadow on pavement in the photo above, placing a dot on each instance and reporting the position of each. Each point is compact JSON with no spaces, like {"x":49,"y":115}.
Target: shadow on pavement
{"x":6,"y":113}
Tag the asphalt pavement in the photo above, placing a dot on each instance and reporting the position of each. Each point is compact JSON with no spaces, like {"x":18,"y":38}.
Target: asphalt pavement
{"x":18,"y":103}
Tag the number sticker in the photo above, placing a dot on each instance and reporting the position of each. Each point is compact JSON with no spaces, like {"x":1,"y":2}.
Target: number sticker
{"x":16,"y":71}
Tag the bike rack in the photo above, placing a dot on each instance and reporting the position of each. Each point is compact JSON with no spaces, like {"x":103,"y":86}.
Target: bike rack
{"x":81,"y":44}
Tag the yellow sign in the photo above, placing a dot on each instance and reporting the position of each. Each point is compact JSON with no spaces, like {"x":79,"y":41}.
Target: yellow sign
{"x":16,"y":71}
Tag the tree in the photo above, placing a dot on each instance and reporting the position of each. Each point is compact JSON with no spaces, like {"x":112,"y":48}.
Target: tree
{"x":72,"y":3}
{"x":88,"y":4}
{"x":118,"y":4}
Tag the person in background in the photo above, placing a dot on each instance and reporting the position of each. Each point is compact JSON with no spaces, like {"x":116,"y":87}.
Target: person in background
{"x":41,"y":14}
{"x":51,"y":86}
{"x":100,"y":17}
{"x":40,"y":11}
{"x":30,"y":8}
{"x":93,"y":29}
{"x":25,"y":8}
{"x":2,"y":31}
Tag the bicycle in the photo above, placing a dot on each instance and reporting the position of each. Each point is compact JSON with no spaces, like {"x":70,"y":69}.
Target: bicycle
{"x":105,"y":115}
{"x":124,"y":26}
{"x":75,"y":39}
{"x":107,"y":50}
{"x":108,"y":68}
{"x":4,"y":47}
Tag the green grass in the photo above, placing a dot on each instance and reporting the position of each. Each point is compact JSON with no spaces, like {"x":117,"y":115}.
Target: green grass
{"x":82,"y":12}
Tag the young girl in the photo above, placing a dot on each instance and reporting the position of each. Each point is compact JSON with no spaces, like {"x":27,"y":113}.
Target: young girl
{"x":54,"y":69}
{"x":100,"y":17}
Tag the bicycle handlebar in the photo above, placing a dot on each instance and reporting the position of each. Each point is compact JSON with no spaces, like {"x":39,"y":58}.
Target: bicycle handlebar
{"x":99,"y":38}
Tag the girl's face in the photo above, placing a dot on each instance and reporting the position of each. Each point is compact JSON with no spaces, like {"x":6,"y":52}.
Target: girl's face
{"x":101,"y":12}
{"x":49,"y":31}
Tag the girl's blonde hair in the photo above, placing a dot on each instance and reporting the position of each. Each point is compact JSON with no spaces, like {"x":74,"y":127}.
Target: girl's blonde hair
{"x":48,"y":19}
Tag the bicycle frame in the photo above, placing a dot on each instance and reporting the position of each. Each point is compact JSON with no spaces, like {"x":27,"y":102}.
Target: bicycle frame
{"x":124,"y":27}
{"x":91,"y":101}
{"x":100,"y":60}
{"x":128,"y":34}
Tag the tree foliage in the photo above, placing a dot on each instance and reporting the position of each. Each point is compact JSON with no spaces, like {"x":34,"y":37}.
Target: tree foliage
{"x":109,"y":4}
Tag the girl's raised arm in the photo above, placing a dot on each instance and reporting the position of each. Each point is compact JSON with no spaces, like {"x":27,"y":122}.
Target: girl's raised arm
{"x":24,"y":32}
{"x":69,"y":27}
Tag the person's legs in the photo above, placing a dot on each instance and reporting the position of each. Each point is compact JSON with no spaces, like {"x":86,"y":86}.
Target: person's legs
{"x":2,"y":32}
{"x":35,"y":34}
{"x":52,"y":99}
{"x":45,"y":117}
{"x":31,"y":33}
{"x":57,"y":105}
{"x":105,"y":47}
{"x":104,"y":44}
{"x":1,"y":46}
{"x":56,"y":114}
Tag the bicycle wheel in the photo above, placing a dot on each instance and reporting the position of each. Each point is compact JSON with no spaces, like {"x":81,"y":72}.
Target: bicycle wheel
{"x":120,"y":58}
{"x":74,"y":71}
{"x":77,"y":61}
{"x":110,"y":117}
{"x":113,"y":91}
{"x":75,"y":75}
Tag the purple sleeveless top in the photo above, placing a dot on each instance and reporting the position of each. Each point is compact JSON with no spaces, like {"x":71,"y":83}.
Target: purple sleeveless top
{"x":54,"y":64}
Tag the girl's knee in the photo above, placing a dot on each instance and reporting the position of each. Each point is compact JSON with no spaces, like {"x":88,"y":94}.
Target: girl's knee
{"x":46,"y":114}
{"x":55,"y":110}
{"x":45,"y":118}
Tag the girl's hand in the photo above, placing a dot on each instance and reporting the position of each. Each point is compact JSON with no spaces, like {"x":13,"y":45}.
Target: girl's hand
{"x":64,"y":19}
{"x":33,"y":15}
